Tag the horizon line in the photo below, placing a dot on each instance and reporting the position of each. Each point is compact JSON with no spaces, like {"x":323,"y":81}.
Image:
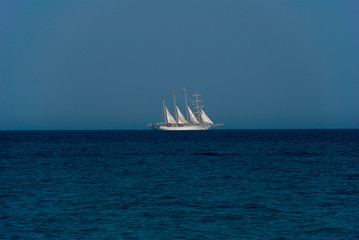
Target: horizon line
{"x":228,"y":129}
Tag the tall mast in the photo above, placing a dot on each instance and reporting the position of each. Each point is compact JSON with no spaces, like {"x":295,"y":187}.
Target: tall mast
{"x":174,"y":101}
{"x":198,"y":107}
{"x":164,"y":109}
{"x":185,"y":97}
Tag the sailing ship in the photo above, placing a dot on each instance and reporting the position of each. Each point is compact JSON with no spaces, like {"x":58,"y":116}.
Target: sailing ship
{"x":193,"y":121}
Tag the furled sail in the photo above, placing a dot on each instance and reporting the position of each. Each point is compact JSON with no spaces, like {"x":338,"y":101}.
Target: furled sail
{"x":170,"y":119}
{"x":205,"y":118}
{"x":192,"y":117}
{"x":181,"y":118}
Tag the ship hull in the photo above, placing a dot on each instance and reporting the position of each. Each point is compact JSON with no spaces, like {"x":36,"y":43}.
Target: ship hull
{"x":181,"y":128}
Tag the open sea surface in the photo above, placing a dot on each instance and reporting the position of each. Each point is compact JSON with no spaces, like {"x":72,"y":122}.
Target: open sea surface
{"x":217,"y":184}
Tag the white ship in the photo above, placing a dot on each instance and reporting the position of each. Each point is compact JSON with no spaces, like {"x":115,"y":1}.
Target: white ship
{"x":193,"y":121}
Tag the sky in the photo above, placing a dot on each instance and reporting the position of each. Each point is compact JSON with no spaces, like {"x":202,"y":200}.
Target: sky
{"x":94,"y":64}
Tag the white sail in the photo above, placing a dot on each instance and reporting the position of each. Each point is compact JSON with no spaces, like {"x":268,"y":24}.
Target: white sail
{"x":205,"y":118}
{"x":170,"y":119}
{"x":192,"y":117}
{"x":181,"y":118}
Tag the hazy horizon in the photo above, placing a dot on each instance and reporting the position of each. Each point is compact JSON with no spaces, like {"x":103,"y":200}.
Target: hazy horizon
{"x":105,"y":65}
{"x":212,"y":129}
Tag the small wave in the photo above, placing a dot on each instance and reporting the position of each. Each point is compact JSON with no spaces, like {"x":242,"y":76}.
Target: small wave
{"x":167,"y":197}
{"x":326,"y":229}
{"x":252,"y":206}
{"x":300,"y":153}
{"x":91,"y":229}
{"x":42,"y":154}
{"x":216,"y":154}
{"x":353,"y":176}
{"x":208,"y":154}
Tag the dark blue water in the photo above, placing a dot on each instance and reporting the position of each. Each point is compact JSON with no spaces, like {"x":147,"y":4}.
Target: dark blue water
{"x":297,"y":184}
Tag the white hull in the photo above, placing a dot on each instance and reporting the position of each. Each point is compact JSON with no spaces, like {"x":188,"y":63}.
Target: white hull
{"x":181,"y":127}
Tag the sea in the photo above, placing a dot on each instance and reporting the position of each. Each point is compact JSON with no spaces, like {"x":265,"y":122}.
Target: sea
{"x":147,"y":184}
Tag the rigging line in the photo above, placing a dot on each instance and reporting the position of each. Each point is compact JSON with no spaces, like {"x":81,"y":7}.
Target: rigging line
{"x":190,"y":100}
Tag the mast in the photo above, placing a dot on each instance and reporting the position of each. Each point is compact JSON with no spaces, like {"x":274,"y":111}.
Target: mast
{"x":198,"y":107}
{"x":185,"y":97}
{"x":164,"y":109}
{"x":174,"y":101}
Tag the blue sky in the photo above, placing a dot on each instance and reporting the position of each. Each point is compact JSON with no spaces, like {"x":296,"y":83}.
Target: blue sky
{"x":107,"y":64}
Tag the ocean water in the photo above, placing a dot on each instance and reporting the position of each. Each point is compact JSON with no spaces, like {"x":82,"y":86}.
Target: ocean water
{"x":217,"y":184}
